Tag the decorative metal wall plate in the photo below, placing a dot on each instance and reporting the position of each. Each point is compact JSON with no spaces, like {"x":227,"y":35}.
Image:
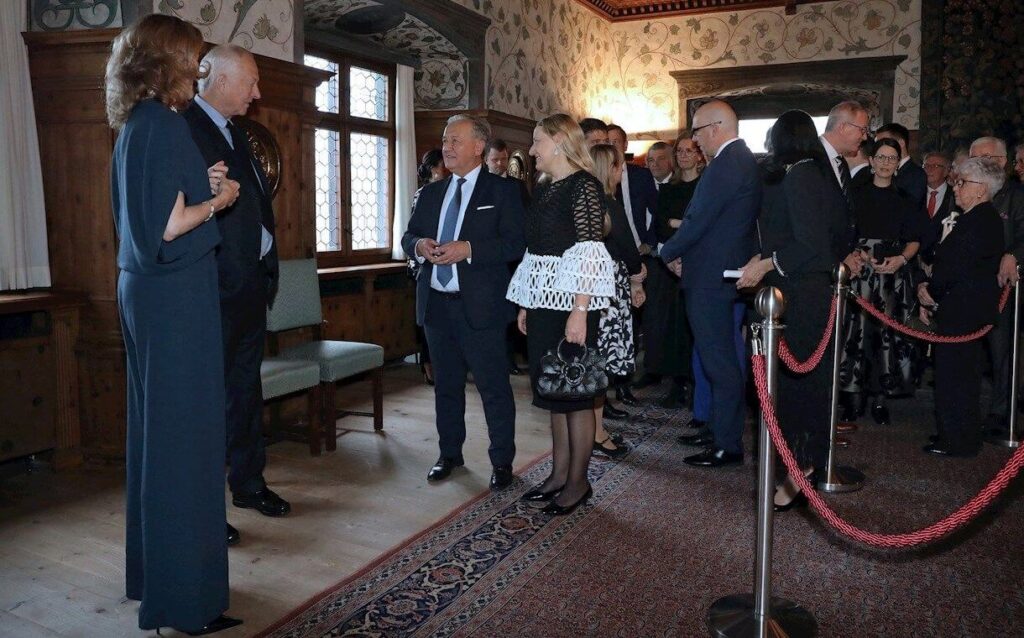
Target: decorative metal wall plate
{"x":264,"y":148}
{"x":517,"y":166}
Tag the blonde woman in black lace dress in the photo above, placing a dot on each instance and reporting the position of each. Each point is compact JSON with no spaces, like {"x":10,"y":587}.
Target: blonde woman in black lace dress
{"x":565,"y":279}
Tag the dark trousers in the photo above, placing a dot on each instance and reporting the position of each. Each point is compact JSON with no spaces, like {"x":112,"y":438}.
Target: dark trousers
{"x":999,"y":340}
{"x":711,"y":318}
{"x":176,"y":556}
{"x":244,"y":325}
{"x":957,"y":391}
{"x":456,"y":349}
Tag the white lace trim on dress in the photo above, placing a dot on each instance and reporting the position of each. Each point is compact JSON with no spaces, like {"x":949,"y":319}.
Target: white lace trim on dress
{"x":552,"y":282}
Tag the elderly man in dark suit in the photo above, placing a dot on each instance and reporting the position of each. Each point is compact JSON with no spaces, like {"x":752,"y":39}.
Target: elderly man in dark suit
{"x":246,"y":264}
{"x":1009,"y":203}
{"x":466,"y":230}
{"x":718,"y":233}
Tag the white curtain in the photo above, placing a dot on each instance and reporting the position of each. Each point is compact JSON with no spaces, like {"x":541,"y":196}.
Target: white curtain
{"x":24,"y":259}
{"x":405,"y":157}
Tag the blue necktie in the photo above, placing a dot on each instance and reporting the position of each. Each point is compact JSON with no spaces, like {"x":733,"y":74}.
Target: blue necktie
{"x":451,"y":219}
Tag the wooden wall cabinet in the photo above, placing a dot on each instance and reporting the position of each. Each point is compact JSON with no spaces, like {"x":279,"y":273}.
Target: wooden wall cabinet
{"x":67,"y":70}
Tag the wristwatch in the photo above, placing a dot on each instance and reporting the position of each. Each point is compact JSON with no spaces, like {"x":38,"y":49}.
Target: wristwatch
{"x":580,"y":308}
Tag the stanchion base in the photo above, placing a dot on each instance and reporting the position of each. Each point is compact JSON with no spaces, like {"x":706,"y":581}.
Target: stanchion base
{"x":733,"y":617}
{"x":844,"y":479}
{"x":1002,"y":439}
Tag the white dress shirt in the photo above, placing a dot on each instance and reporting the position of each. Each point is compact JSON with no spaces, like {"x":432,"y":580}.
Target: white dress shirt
{"x":266,"y":239}
{"x":467,"y":193}
{"x":940,"y":195}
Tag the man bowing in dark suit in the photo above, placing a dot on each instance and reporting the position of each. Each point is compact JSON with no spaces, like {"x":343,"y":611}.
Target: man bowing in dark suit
{"x":466,"y":230}
{"x":718,"y":233}
{"x":246,"y":264}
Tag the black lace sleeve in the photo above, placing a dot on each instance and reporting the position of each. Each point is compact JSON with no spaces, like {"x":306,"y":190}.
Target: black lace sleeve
{"x":588,"y":208}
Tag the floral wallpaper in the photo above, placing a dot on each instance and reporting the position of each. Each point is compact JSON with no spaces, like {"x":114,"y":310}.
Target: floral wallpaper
{"x":550,"y":55}
{"x":266,"y":27}
{"x":545,"y":56}
{"x":71,"y":15}
{"x":440,"y":82}
{"x":646,"y":51}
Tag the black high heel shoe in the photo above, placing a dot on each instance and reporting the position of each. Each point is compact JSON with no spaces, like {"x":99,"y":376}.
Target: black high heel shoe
{"x":537,"y":496}
{"x":554,"y":509}
{"x":800,"y":500}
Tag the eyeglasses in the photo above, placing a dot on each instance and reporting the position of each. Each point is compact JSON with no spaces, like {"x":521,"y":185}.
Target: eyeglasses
{"x":930,"y":166}
{"x":987,"y":156}
{"x":960,"y":182}
{"x":863,"y":129}
{"x":694,"y":130}
{"x":886,"y":159}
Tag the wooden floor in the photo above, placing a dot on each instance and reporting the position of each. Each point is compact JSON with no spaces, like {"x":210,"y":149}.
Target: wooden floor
{"x":62,"y":535}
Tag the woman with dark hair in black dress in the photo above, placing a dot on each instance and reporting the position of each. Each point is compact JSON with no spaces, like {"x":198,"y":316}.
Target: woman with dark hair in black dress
{"x":805,"y":234}
{"x":879,"y":362}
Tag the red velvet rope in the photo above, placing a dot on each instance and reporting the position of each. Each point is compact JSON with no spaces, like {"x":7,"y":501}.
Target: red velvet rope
{"x":812,"y":362}
{"x":927,"y":336}
{"x":928,"y":534}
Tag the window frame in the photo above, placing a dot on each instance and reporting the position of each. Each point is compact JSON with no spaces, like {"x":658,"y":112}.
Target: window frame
{"x":345,"y":125}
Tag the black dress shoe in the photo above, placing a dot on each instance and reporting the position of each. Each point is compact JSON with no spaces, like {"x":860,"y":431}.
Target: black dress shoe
{"x":624,"y":395}
{"x":612,"y":412}
{"x":616,"y":451}
{"x":265,"y":502}
{"x":537,"y":496}
{"x":800,"y":500}
{"x":701,"y":439}
{"x":714,"y":457}
{"x":647,"y":380}
{"x":554,"y":509}
{"x":220,"y":623}
{"x":880,"y":414}
{"x":233,"y":536}
{"x":501,"y":477}
{"x":443,"y":468}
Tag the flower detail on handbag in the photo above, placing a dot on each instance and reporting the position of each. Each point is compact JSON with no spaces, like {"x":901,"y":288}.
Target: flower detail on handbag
{"x":568,"y":378}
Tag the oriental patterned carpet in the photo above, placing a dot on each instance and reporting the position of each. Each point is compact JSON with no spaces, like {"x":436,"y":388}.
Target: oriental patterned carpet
{"x":661,"y":541}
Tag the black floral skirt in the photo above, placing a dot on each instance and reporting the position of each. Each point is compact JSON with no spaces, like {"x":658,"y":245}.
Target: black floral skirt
{"x":876,"y":359}
{"x":615,"y":330}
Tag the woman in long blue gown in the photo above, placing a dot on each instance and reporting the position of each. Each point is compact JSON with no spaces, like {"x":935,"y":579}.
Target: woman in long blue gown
{"x":176,"y":550}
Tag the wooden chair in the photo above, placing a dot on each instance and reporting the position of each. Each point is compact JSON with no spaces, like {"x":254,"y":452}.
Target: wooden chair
{"x":281,"y":377}
{"x":297,"y":305}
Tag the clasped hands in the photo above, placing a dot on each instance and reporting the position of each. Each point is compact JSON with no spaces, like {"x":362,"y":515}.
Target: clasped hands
{"x":218,"y":176}
{"x":444,"y":254}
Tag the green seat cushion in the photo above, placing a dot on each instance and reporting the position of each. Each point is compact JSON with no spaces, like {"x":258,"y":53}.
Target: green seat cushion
{"x":283,"y":376}
{"x":338,"y":359}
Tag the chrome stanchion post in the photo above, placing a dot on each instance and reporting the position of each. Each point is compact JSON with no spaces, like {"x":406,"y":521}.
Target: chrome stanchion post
{"x":836,"y":478}
{"x":760,"y":615}
{"x":1012,"y":439}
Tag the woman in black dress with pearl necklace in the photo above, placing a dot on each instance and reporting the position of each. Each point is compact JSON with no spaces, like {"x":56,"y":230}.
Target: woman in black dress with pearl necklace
{"x":565,"y":279}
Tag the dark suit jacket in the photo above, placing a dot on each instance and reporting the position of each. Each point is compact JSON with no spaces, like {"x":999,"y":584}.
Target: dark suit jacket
{"x":493,"y":225}
{"x":643,"y":197}
{"x":933,"y":227}
{"x":912,"y":180}
{"x":964,"y":278}
{"x":1009,"y":202}
{"x":719,"y":226}
{"x":239,"y":254}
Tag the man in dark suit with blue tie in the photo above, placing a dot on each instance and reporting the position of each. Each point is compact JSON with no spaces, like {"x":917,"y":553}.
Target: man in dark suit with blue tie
{"x":718,"y":233}
{"x":465,"y":231}
{"x":246,"y":265}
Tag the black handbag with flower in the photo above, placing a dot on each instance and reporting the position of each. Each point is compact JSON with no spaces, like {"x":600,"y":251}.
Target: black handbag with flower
{"x":580,"y":375}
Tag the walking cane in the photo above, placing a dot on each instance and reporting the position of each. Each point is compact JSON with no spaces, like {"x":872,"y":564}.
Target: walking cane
{"x":838,"y":479}
{"x":997,"y":437}
{"x":759,"y":615}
